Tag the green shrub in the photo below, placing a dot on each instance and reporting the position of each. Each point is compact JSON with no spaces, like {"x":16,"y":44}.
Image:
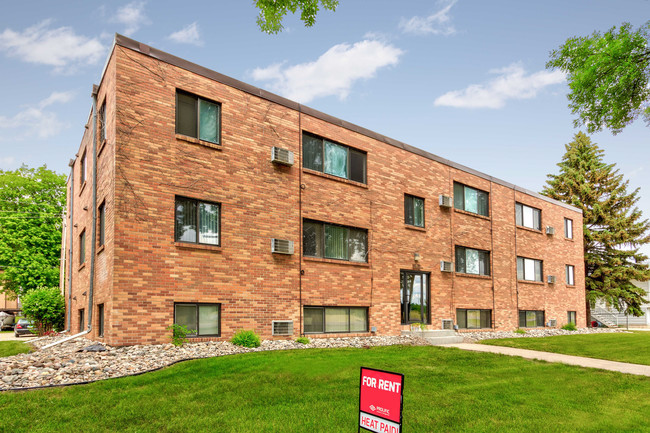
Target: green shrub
{"x":246,"y":339}
{"x":570,"y":327}
{"x":302,"y":340}
{"x":45,"y":307}
{"x":179,"y":334}
{"x":519,"y":331}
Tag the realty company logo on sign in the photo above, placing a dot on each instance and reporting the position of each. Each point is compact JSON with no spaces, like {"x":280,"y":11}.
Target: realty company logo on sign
{"x":380,"y":401}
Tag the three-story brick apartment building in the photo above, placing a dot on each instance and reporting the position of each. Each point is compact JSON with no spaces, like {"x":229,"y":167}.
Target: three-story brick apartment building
{"x":198,"y":199}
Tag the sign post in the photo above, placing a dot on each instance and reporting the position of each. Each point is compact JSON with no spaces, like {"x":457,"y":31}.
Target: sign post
{"x":380,"y":401}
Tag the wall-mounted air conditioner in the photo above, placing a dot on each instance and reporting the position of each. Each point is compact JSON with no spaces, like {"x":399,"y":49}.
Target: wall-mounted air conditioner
{"x":281,"y":156}
{"x":447,"y":324}
{"x":550,"y":230}
{"x":552,"y":323}
{"x":281,"y":246}
{"x":282,"y":327}
{"x":446,"y":266}
{"x":446,"y":201}
{"x":550,"y":279}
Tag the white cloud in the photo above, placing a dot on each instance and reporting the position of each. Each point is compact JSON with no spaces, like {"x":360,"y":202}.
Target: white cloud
{"x":333,"y":73}
{"x":131,"y":16}
{"x":438,"y":23}
{"x":511,"y":83}
{"x":35,"y":121}
{"x":187,"y":35}
{"x":60,"y":47}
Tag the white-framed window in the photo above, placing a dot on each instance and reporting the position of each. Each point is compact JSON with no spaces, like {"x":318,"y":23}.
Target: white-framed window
{"x":528,"y":216}
{"x":568,"y":228}
{"x":529,"y":269}
{"x":570,"y":275}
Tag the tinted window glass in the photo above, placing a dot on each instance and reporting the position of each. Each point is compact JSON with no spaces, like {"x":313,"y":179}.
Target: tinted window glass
{"x":186,"y":119}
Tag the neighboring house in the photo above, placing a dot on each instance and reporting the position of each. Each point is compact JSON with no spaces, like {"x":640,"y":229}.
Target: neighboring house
{"x":610,"y":316}
{"x":222,"y":207}
{"x":9,"y":305}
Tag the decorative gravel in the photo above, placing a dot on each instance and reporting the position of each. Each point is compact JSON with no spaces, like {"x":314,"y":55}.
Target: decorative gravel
{"x":67,"y":363}
{"x":472,"y":337}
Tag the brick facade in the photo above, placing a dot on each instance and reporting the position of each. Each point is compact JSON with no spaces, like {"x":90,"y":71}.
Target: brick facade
{"x":141,"y":271}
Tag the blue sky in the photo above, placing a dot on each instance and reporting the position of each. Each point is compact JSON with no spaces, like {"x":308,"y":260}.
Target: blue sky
{"x":463,"y":79}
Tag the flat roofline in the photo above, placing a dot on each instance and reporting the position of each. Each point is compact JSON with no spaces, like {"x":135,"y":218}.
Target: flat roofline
{"x":146,"y":50}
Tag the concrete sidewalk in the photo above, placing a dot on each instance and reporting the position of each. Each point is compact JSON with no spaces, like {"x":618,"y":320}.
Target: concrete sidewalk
{"x":622,"y":367}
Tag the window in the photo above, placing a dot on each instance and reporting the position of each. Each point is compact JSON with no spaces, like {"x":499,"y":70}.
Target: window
{"x":571,"y":317}
{"x":102,"y":223}
{"x":531,"y":319}
{"x":334,"y":242}
{"x":100,"y":320}
{"x":82,"y":248}
{"x":528,"y":216}
{"x":82,"y":169}
{"x":570,"y":275}
{"x":471,"y":261}
{"x":473,"y":319}
{"x":529,"y":269}
{"x":197,"y":222}
{"x":413,"y":210}
{"x":197,"y":117}
{"x":471,"y":200}
{"x":414,"y":292}
{"x":200,"y":319}
{"x":102,"y":123}
{"x":332,"y":158}
{"x":81,"y":319}
{"x":335,"y":319}
{"x":568,"y":228}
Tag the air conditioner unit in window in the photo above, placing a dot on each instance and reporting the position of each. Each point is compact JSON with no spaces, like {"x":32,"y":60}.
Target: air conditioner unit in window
{"x":550,"y":279}
{"x":552,"y":323}
{"x":281,"y":246}
{"x":550,"y":230}
{"x":447,"y":324}
{"x":281,"y":156}
{"x":282,"y":327}
{"x":446,"y":201}
{"x":446,"y":266}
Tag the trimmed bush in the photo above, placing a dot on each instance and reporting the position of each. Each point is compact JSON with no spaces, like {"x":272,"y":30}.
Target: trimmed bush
{"x":45,"y":307}
{"x":570,"y":327}
{"x":302,"y":340}
{"x":246,"y":339}
{"x":519,"y":331}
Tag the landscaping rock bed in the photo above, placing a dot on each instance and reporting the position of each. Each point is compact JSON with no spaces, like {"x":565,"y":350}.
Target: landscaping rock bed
{"x":472,"y":337}
{"x":68,"y":363}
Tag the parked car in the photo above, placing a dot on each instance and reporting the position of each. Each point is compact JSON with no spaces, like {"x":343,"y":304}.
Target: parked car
{"x":6,"y":321}
{"x":23,"y":327}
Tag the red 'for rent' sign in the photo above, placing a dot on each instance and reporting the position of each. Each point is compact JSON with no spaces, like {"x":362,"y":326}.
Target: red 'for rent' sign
{"x":380,"y":400}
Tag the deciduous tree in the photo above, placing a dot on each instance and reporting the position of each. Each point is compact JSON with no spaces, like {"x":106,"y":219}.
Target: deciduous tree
{"x":31,"y":210}
{"x":46,"y":307}
{"x":613,"y":226}
{"x":608,"y":76}
{"x":272,"y":12}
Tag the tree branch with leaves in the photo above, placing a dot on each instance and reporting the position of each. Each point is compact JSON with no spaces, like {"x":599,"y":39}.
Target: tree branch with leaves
{"x":272,"y":12}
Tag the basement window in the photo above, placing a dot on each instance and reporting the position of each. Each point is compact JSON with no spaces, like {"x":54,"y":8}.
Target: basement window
{"x":531,"y":319}
{"x":197,"y":117}
{"x":203,"y":320}
{"x":571,"y":317}
{"x":473,"y":319}
{"x":335,"y":319}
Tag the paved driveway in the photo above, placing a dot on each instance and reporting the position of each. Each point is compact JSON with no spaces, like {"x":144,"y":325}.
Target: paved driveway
{"x":9,"y":336}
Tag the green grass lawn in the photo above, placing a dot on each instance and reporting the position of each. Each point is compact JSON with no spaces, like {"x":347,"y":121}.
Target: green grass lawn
{"x":9,"y":348}
{"x":317,"y":390}
{"x":623,"y":347}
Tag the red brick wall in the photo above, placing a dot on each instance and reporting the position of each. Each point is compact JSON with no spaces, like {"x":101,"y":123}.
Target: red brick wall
{"x":142,"y":271}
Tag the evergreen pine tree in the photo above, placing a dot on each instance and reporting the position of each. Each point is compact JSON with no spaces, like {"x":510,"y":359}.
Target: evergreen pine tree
{"x":613,"y":227}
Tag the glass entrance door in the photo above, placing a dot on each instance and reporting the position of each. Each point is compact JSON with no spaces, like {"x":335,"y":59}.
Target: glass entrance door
{"x":414,"y":294}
